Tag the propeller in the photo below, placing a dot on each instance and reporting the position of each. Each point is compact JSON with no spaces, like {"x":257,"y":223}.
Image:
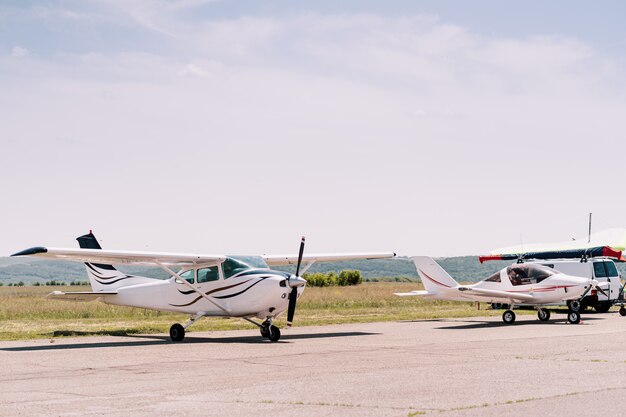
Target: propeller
{"x":596,"y":285}
{"x":294,"y":282}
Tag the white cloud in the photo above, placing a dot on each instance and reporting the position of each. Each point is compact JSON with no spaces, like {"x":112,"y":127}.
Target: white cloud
{"x":19,"y":52}
{"x":192,"y":70}
{"x":399,"y":132}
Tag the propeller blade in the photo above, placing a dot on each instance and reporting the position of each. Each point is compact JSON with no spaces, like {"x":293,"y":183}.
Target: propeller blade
{"x":293,"y":296}
{"x":291,"y":310}
{"x":586,"y":291}
{"x":300,"y":257}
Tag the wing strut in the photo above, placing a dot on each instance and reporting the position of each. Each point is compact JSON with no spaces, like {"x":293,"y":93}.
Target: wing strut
{"x":184,"y":281}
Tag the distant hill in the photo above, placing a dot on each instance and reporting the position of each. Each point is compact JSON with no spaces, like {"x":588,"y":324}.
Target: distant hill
{"x":462,"y":268}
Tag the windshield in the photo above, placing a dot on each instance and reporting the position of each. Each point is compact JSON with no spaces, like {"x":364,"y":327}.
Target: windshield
{"x":526,"y":274}
{"x":251,"y":261}
{"x":232,"y":266}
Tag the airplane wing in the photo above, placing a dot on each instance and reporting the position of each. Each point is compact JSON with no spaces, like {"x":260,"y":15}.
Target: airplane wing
{"x":100,"y":256}
{"x":412,"y":293}
{"x":274,"y":260}
{"x":79,"y":296}
{"x":612,"y":238}
{"x":507,"y":295}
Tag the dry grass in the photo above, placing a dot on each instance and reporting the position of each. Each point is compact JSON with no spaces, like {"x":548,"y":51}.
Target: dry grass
{"x":26,"y":313}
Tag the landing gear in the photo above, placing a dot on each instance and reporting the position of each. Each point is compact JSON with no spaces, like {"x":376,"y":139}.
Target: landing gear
{"x":573,"y":317}
{"x":508,"y":317}
{"x":269,"y":331}
{"x":622,"y":311}
{"x":575,"y":305}
{"x":177,"y":332}
{"x":544,"y":315}
{"x":274,"y":334}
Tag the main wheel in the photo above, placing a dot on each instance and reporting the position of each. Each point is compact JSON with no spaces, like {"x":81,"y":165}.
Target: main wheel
{"x":573,"y":317}
{"x":622,"y":311}
{"x":544,"y":315}
{"x":177,"y":332}
{"x":602,"y":307}
{"x":274,"y":333}
{"x":574,"y":305}
{"x":508,"y":317}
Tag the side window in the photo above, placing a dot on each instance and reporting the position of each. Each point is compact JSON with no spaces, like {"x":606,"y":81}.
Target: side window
{"x":598,"y":270}
{"x":187,"y":276}
{"x":611,"y":270}
{"x":208,"y":274}
{"x":494,"y":278}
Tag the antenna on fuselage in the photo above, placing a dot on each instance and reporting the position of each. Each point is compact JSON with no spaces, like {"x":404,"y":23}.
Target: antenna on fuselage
{"x":589,"y":233}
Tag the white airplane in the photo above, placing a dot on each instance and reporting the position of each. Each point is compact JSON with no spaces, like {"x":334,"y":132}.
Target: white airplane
{"x":205,"y":285}
{"x":528,"y":284}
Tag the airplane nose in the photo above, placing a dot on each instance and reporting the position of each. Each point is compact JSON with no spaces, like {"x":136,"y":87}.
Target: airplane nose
{"x":295,"y":282}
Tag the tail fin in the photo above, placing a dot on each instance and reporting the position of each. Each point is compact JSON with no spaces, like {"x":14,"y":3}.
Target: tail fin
{"x":101,"y":277}
{"x":433,"y":276}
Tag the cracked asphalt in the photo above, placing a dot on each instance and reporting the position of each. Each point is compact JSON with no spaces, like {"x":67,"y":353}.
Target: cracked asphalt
{"x":451,"y":367}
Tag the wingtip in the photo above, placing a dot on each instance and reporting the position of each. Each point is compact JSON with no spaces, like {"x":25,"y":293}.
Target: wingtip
{"x":31,"y":251}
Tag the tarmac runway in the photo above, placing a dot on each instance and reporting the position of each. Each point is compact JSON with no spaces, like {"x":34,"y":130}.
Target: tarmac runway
{"x":453,"y":367}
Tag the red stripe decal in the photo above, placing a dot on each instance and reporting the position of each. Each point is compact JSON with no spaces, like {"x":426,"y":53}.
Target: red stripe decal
{"x":434,"y":280}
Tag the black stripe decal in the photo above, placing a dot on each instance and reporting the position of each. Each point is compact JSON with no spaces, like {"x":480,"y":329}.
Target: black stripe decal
{"x":241,"y":292}
{"x":117,"y":280}
{"x":100,"y":274}
{"x":207,"y":293}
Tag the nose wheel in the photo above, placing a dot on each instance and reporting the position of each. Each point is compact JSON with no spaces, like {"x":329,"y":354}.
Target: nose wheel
{"x":508,"y":317}
{"x":543,"y":315}
{"x":269,"y":331}
{"x":573,"y":317}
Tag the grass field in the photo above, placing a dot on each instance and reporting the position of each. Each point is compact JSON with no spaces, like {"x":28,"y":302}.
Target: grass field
{"x":25,"y":313}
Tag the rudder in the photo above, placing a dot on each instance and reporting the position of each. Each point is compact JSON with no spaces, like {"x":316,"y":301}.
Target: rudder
{"x":433,"y":276}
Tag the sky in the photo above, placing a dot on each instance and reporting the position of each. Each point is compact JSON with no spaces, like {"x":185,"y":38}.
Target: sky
{"x":234,"y":127}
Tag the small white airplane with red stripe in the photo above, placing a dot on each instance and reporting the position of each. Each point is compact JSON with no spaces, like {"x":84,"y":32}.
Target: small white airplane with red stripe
{"x":522,"y":283}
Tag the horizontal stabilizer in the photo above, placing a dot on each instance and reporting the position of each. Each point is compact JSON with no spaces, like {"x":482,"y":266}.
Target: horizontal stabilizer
{"x":412,"y":293}
{"x":79,"y":296}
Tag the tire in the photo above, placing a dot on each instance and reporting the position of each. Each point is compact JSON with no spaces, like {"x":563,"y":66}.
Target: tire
{"x":265,"y":332}
{"x":274,"y":334}
{"x":622,"y":311}
{"x":573,"y":317}
{"x":543,"y":315}
{"x":574,"y":305}
{"x":508,"y":317}
{"x":177,"y":333}
{"x":602,"y":307}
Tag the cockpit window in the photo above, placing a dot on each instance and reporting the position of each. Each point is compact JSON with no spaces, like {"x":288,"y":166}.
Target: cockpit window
{"x":233,"y":266}
{"x":208,"y":274}
{"x":188,"y":276}
{"x":527,"y":274}
{"x":494,"y":278}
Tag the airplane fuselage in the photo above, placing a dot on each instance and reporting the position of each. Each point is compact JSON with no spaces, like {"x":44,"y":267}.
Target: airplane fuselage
{"x":257,"y":292}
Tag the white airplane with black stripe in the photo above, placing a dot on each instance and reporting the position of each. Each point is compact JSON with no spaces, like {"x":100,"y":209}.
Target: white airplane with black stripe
{"x":201,"y":286}
{"x":527,"y":284}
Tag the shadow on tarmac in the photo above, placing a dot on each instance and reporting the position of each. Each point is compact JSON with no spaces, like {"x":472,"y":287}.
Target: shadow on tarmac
{"x":148,"y":340}
{"x":473,"y":324}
